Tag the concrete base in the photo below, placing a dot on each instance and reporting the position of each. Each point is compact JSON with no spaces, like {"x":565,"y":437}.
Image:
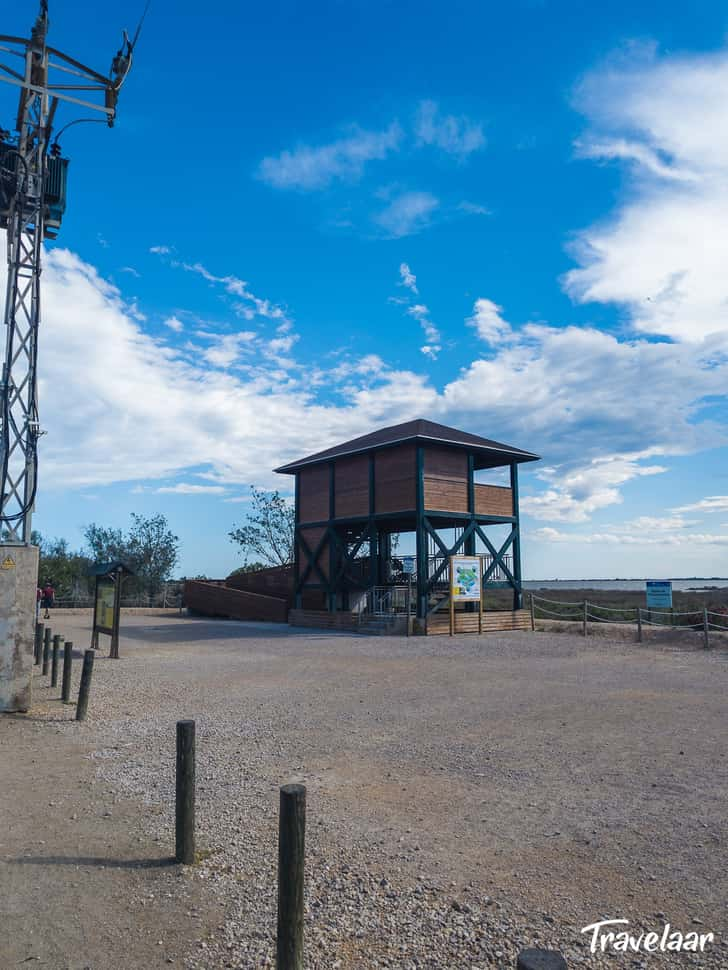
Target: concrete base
{"x":18,"y":586}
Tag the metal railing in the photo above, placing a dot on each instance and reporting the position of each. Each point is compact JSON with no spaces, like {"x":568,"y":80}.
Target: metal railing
{"x":387,"y":601}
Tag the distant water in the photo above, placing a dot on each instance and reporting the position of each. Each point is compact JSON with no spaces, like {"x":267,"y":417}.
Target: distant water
{"x":633,"y":584}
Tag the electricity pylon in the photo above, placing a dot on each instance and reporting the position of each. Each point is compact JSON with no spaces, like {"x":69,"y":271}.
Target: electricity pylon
{"x":32,"y":202}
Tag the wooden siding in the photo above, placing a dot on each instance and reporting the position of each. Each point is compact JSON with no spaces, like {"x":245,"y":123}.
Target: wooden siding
{"x":351,"y":488}
{"x":313,"y":495}
{"x":395,"y":477}
{"x":493,"y":500}
{"x":312,"y":538}
{"x":446,"y":495}
{"x":446,"y":463}
{"x":494,"y":621}
{"x":211,"y":599}
{"x":323,"y":620}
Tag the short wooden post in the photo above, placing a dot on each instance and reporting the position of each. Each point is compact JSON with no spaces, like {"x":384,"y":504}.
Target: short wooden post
{"x":706,"y":637}
{"x":586,"y":607}
{"x":66,"y":679}
{"x":639,"y":624}
{"x":55,"y":657}
{"x":38,"y":644}
{"x":46,"y":649}
{"x":533,"y":615}
{"x":185,"y":801}
{"x":291,"y":852}
{"x":535,"y":959}
{"x":85,"y":688}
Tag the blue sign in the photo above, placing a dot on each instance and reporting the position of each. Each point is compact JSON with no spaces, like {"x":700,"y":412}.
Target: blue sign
{"x":659,"y":593}
{"x":408,"y":564}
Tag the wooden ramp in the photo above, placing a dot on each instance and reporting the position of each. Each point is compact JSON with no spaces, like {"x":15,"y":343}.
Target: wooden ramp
{"x":494,"y":621}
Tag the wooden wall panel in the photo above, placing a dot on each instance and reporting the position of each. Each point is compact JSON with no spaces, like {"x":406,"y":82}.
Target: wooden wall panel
{"x":313,"y":495}
{"x":446,"y":463}
{"x":493,"y":500}
{"x":446,"y":495}
{"x":313,"y":537}
{"x":352,"y":486}
{"x":395,"y":476}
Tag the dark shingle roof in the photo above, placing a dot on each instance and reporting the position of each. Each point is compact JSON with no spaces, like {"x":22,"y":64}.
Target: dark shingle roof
{"x":489,"y":454}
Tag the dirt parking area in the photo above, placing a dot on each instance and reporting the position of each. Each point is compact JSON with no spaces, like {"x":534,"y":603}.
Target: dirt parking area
{"x":466,"y":797}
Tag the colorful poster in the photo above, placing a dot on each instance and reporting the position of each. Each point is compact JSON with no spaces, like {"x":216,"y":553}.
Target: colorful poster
{"x":465,"y":578}
{"x":105,"y":605}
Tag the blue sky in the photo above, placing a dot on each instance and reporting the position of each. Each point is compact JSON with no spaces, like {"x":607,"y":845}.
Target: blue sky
{"x":311,"y":221}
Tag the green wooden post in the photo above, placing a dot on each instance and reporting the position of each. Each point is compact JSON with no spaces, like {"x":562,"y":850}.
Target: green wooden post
{"x":291,"y":855}
{"x":706,"y":639}
{"x":586,"y":607}
{"x":639,"y":624}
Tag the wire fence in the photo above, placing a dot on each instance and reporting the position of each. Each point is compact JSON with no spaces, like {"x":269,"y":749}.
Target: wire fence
{"x":82,"y":601}
{"x":584,"y":612}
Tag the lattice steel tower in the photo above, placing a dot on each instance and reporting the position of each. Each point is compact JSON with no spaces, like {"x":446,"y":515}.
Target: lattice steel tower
{"x":32,"y":203}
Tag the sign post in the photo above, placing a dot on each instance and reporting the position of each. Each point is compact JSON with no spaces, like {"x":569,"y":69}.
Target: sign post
{"x":107,"y":603}
{"x":466,"y":586}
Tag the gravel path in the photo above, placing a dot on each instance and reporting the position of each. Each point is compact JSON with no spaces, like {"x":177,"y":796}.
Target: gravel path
{"x":466,"y":797}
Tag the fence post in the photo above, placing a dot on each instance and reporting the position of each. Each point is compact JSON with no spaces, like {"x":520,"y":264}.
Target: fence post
{"x":586,"y":607}
{"x":54,"y":662}
{"x":533,"y":616}
{"x":535,"y":959}
{"x":706,"y":639}
{"x":291,"y":851}
{"x":185,"y":794}
{"x":85,"y":688}
{"x":639,"y":624}
{"x":66,"y":679}
{"x":38,"y":644}
{"x":46,"y":649}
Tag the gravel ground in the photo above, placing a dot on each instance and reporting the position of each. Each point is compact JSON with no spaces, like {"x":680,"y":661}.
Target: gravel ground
{"x":466,"y":797}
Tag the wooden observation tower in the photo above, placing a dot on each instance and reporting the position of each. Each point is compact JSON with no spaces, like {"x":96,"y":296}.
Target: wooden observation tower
{"x":417,"y":482}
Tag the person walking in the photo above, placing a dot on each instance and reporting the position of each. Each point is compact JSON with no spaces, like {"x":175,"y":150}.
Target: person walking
{"x":38,"y":598}
{"x":49,"y":595}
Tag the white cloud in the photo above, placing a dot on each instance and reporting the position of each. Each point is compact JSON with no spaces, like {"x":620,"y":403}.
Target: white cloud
{"x":713,"y":503}
{"x":131,"y":271}
{"x":160,"y":250}
{"x":432,"y":335}
{"x":309,"y":168}
{"x":225,"y":349}
{"x":488,"y":322}
{"x":576,"y":494}
{"x":638,"y":538}
{"x":185,"y":488}
{"x":458,"y":136}
{"x":407,"y":214}
{"x":661,"y":254}
{"x":473,"y":208}
{"x":408,"y":278}
{"x":174,"y":324}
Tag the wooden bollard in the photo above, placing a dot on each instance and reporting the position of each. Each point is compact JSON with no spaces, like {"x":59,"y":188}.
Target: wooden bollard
{"x":54,"y":661}
{"x":291,"y":852}
{"x":639,"y":624}
{"x":534,"y":959}
{"x":706,"y":628}
{"x":46,"y":649}
{"x":586,"y":609}
{"x":38,"y":644}
{"x":533,"y":615}
{"x":85,"y":688}
{"x":66,"y":680}
{"x":185,"y":802}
